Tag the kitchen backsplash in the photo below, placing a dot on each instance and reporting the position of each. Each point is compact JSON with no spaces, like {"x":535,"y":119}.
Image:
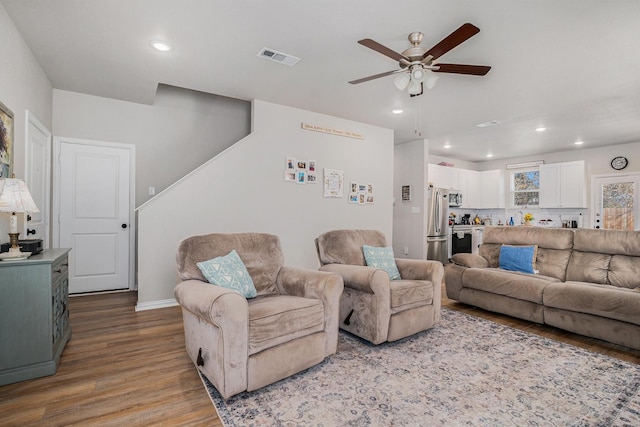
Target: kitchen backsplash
{"x":542,"y":217}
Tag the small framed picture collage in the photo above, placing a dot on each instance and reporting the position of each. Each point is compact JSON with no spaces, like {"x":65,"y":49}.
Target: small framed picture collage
{"x":361,"y":194}
{"x":300,"y":171}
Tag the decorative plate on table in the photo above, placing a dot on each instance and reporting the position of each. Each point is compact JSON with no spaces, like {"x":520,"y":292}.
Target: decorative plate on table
{"x":14,"y":257}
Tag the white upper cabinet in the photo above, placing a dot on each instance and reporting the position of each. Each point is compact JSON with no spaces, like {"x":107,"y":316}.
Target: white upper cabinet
{"x":443,"y":176}
{"x":562,"y":185}
{"x":479,"y":190}
{"x":491,"y":189}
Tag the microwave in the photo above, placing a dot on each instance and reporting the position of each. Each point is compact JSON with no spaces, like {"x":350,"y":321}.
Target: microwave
{"x":455,"y":198}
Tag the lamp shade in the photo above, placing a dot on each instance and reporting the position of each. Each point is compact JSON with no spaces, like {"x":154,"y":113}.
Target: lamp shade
{"x":402,"y":81}
{"x":430,"y":80}
{"x":15,"y":196}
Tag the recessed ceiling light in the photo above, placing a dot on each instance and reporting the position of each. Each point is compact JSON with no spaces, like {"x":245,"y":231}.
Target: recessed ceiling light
{"x":579,"y":142}
{"x":396,"y":111}
{"x":489,"y":155}
{"x":487,"y":124}
{"x":160,"y":45}
{"x":447,"y":145}
{"x":541,"y":129}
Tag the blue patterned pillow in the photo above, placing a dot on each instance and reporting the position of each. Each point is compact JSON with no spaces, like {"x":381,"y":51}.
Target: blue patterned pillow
{"x":382,"y":258}
{"x":229,"y":272}
{"x":518,"y":258}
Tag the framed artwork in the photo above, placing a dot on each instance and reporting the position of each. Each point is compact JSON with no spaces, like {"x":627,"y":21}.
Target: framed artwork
{"x":6,"y":142}
{"x":406,"y":193}
{"x":333,"y":182}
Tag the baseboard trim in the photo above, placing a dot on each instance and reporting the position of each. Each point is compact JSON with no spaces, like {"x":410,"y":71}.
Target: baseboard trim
{"x":152,"y":305}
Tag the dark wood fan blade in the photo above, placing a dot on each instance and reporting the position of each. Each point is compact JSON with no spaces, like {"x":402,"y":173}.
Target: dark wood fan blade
{"x":476,"y":70}
{"x":377,"y":76}
{"x":382,"y":49}
{"x":465,"y":32}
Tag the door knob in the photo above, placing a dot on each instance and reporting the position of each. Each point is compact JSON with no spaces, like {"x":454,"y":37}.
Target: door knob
{"x":124,"y":225}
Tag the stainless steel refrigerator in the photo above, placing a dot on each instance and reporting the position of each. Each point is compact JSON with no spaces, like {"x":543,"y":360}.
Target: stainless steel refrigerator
{"x":437,"y":224}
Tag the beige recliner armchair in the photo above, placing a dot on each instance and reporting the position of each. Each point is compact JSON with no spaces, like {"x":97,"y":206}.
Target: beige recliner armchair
{"x":243,"y":344}
{"x":372,"y":306}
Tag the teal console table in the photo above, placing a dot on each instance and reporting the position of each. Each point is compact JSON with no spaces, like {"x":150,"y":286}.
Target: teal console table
{"x":34,"y":315}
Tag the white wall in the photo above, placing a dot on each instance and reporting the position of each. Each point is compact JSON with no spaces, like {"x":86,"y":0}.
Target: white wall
{"x":179,"y":132}
{"x":409,"y":218}
{"x":23,"y":86}
{"x":243,"y":190}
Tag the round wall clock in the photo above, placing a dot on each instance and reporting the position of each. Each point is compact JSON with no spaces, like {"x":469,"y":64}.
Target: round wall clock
{"x":619,"y":162}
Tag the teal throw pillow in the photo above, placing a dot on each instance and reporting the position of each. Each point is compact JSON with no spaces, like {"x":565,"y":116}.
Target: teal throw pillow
{"x":229,"y":272}
{"x":518,"y":258}
{"x":381,"y":258}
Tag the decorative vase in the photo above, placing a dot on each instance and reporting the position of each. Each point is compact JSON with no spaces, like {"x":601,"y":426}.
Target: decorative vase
{"x":527,"y":222}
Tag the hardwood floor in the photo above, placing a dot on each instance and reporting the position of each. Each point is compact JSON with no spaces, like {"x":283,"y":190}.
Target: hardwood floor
{"x":120,"y":368}
{"x":123,"y":367}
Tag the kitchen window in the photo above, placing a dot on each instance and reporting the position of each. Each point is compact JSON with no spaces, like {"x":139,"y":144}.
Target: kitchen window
{"x":525,"y":188}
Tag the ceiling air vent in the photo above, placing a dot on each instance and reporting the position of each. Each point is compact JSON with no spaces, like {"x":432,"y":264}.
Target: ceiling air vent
{"x":279,"y":57}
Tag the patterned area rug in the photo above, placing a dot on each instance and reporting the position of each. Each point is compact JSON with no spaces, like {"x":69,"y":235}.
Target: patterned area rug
{"x":466,"y":371}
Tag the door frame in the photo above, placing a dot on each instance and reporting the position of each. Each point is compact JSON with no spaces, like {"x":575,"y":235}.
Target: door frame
{"x":595,"y":196}
{"x":57,"y":141}
{"x":32,"y":120}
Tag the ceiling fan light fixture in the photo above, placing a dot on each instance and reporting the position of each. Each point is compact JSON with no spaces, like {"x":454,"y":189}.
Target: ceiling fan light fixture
{"x":431,"y":80}
{"x":415,"y":88}
{"x":402,"y":81}
{"x":418,"y":74}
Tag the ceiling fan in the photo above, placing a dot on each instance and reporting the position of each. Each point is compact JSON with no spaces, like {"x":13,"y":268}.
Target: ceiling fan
{"x":417,"y":63}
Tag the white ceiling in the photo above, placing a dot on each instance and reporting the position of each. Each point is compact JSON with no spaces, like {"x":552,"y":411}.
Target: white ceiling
{"x":572,"y":66}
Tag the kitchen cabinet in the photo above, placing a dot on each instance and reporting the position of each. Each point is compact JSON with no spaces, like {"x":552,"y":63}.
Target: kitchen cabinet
{"x":480,"y":189}
{"x":562,"y":185}
{"x":491,"y":189}
{"x":34,"y":315}
{"x":443,"y":176}
{"x":469,"y":186}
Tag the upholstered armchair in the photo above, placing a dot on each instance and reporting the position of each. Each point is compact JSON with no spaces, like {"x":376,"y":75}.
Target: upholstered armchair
{"x":372,"y":306}
{"x":243,"y":343}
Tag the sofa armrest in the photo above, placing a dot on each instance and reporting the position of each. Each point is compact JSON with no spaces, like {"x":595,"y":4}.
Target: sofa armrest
{"x":309,"y":283}
{"x":214,"y":304}
{"x":418,"y":269}
{"x":470,"y":260}
{"x":320,"y":285}
{"x":364,"y":279}
{"x":216,"y":328}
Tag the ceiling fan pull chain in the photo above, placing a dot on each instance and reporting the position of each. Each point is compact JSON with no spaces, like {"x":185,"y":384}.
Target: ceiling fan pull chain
{"x":418,"y":117}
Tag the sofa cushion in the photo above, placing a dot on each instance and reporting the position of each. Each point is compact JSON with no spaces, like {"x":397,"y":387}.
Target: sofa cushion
{"x":588,"y":267}
{"x":553,"y":262}
{"x":381,"y":258}
{"x":554,"y":246}
{"x":613,"y":242}
{"x":407,"y":294}
{"x":469,"y":260}
{"x":229,"y":272}
{"x":599,"y":300}
{"x":543,"y":237}
{"x":624,"y":271}
{"x":518,"y":258}
{"x":261,"y":254}
{"x":274,"y":319}
{"x":345,"y":246}
{"x":522,"y":286}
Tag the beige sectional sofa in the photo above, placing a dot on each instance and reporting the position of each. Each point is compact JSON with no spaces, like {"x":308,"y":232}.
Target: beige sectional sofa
{"x":587,"y":281}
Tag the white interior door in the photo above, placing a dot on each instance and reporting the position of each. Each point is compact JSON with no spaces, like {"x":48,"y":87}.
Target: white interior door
{"x":37,"y":177}
{"x":95,"y":214}
{"x":616,"y":202}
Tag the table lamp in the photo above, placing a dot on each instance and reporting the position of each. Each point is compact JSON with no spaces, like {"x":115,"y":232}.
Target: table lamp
{"x":15,"y":197}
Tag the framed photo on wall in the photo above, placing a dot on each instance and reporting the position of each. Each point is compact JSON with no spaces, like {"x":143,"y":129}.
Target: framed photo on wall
{"x":6,"y":142}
